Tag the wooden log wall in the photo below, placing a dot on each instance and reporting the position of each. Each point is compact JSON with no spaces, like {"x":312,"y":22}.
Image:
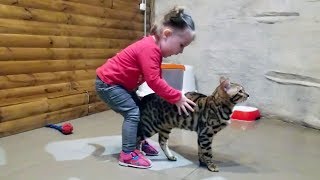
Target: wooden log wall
{"x":49,"y":50}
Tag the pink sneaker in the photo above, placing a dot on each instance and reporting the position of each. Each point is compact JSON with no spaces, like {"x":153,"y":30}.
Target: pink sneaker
{"x":148,"y":149}
{"x":134,"y":159}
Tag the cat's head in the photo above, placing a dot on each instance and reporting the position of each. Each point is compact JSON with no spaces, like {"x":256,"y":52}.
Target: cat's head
{"x":232,"y":92}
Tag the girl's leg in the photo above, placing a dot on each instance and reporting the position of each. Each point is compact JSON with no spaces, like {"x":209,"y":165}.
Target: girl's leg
{"x":122,"y":102}
{"x":147,"y":148}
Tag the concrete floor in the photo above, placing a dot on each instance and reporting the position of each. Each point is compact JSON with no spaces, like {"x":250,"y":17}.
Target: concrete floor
{"x":267,"y":149}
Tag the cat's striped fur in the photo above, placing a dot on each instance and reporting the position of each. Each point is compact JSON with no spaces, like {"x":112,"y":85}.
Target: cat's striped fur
{"x":210,"y":116}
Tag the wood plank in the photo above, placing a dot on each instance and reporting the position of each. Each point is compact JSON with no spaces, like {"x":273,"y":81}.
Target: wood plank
{"x":83,"y":85}
{"x":32,"y":122}
{"x":132,"y":5}
{"x":12,"y":26}
{"x":38,"y":97}
{"x":76,"y":8}
{"x":23,"y":110}
{"x":64,"y":102}
{"x":21,"y":125}
{"x":34,"y":90}
{"x":99,"y":3}
{"x":42,"y":105}
{"x":36,"y":79}
{"x":93,"y":96}
{"x":97,"y":107}
{"x":16,"y":54}
{"x":41,"y":66}
{"x":21,"y":13}
{"x":23,"y":40}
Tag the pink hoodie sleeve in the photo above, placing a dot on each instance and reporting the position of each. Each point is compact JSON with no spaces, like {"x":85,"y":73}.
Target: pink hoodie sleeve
{"x":150,"y":63}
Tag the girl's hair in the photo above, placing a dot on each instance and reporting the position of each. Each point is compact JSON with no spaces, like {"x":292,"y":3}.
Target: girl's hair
{"x":176,"y":19}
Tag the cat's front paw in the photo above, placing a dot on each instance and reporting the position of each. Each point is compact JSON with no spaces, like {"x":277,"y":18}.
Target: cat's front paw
{"x":213,"y":167}
{"x":172,"y":158}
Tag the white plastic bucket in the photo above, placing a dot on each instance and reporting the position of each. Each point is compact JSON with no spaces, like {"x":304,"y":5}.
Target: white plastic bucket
{"x":189,"y":80}
{"x":179,"y":78}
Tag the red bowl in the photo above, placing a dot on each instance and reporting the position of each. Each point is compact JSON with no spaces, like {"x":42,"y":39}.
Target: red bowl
{"x":245,"y":113}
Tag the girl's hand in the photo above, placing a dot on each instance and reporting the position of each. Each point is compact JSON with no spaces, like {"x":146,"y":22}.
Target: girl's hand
{"x":184,"y":104}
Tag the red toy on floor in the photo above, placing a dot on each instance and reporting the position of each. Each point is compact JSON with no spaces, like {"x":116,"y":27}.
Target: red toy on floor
{"x":65,"y":128}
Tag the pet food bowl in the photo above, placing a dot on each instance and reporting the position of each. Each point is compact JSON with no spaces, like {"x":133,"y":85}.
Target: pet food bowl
{"x":245,"y":113}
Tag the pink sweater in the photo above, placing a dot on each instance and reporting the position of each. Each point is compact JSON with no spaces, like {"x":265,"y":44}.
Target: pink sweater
{"x":139,"y":62}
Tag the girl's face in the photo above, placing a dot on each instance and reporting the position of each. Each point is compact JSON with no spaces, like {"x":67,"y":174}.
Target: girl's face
{"x":173,"y":43}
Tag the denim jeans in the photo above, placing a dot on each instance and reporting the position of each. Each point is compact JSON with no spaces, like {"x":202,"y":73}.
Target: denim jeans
{"x":126,"y":103}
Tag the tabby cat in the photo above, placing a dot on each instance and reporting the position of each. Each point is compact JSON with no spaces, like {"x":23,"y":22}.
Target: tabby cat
{"x":210,"y":116}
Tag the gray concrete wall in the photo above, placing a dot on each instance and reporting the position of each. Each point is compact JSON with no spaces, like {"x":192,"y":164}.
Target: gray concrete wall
{"x":271,"y":47}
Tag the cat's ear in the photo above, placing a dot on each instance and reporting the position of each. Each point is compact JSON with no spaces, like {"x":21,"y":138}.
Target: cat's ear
{"x":225,"y":83}
{"x":222,"y":79}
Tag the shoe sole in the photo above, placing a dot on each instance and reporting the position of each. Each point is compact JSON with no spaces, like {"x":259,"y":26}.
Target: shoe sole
{"x":135,"y":166}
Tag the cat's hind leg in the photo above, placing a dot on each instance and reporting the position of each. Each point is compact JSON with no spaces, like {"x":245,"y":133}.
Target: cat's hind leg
{"x":140,"y":136}
{"x":140,"y":139}
{"x":142,"y":143}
